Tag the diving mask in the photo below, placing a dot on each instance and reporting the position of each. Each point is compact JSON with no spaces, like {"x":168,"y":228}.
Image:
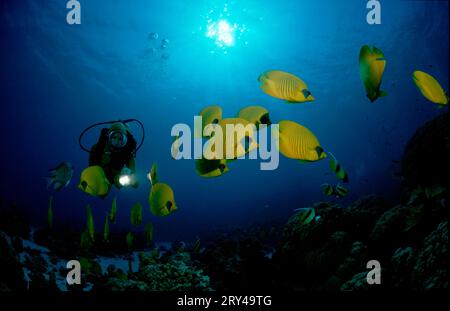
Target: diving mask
{"x":117,"y":139}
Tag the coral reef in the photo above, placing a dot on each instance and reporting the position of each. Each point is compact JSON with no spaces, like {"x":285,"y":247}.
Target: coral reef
{"x":408,"y":238}
{"x":425,"y":159}
{"x":172,"y":271}
{"x":11,"y":273}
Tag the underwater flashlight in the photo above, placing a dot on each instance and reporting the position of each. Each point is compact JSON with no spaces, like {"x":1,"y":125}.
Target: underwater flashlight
{"x":125,"y":177}
{"x":125,"y":180}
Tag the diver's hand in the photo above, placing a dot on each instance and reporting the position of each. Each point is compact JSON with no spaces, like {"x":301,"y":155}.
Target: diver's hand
{"x":132,"y":181}
{"x":126,"y":171}
{"x":117,"y":182}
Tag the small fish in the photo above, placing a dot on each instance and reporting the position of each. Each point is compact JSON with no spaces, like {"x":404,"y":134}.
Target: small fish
{"x":298,"y":142}
{"x":340,"y":191}
{"x":371,"y":68}
{"x":286,"y":86}
{"x":211,"y":168}
{"x":93,"y":181}
{"x":113,"y":212}
{"x":153,"y":36}
{"x":136,"y":214}
{"x":162,"y":200}
{"x":60,"y":176}
{"x":90,"y":223}
{"x":129,"y":239}
{"x":106,"y":230}
{"x":328,"y":189}
{"x":430,"y":88}
{"x":337,"y":168}
{"x":210,"y":115}
{"x":305,"y":214}
{"x":153,"y":176}
{"x":234,"y":145}
{"x":256,"y":115}
{"x":149,"y":233}
{"x":50,"y":213}
{"x":175,"y":148}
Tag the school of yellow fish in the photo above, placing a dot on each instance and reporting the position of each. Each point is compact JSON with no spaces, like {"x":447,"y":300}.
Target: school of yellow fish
{"x":294,"y":141}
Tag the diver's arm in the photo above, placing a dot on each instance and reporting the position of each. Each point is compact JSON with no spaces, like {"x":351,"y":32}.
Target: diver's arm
{"x":132,"y":164}
{"x":94,"y":156}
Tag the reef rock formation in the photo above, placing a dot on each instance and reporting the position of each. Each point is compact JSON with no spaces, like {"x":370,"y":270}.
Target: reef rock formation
{"x":10,"y":268}
{"x":425,"y":160}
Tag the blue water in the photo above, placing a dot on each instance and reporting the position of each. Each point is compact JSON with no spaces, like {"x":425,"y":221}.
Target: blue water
{"x":56,"y":79}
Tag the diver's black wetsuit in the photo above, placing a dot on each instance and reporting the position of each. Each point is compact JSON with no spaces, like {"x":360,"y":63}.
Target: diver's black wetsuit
{"x":112,"y":160}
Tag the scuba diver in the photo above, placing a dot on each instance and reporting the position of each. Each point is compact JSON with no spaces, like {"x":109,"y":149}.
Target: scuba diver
{"x":111,"y":159}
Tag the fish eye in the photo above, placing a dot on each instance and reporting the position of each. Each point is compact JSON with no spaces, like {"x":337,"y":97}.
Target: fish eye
{"x":215,"y":121}
{"x":265,"y":120}
{"x":83,"y":184}
{"x":169,"y":205}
